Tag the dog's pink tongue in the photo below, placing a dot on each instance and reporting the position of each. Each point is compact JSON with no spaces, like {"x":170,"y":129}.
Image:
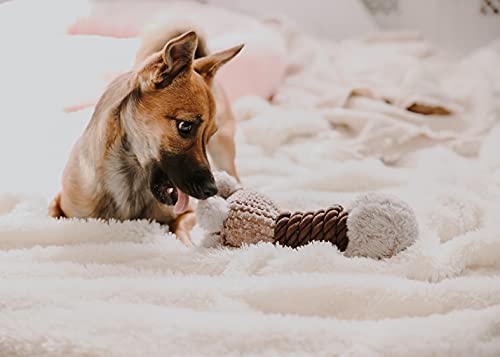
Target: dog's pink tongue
{"x":182,"y":202}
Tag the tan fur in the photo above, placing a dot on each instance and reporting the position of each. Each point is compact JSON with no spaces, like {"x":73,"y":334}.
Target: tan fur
{"x":107,"y":172}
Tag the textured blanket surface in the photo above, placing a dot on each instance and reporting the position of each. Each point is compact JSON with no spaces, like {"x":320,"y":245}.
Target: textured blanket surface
{"x":340,"y":126}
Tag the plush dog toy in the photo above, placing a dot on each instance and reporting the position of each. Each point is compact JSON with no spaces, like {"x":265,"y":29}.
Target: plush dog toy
{"x":374,"y":225}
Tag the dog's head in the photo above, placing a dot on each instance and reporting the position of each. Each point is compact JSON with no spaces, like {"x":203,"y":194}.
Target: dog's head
{"x":172,"y":117}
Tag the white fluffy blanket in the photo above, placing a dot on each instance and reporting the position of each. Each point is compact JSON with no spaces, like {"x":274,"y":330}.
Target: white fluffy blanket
{"x":114,"y":289}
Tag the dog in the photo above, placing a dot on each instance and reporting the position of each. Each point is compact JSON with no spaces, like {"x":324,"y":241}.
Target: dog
{"x":144,"y":151}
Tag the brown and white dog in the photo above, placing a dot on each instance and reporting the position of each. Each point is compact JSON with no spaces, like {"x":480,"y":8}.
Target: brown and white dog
{"x":144,"y":151}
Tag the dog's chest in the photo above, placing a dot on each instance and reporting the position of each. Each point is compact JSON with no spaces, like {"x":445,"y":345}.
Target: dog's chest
{"x":126,"y":192}
{"x":129,"y":194}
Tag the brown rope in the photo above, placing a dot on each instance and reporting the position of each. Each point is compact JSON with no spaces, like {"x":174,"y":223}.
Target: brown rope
{"x":299,"y":228}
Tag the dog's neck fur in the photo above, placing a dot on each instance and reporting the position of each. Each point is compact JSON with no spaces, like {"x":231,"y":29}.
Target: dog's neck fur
{"x":119,"y":185}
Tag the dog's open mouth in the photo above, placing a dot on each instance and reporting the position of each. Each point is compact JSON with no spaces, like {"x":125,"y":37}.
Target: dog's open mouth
{"x":167,"y":193}
{"x":170,"y":195}
{"x":180,"y":198}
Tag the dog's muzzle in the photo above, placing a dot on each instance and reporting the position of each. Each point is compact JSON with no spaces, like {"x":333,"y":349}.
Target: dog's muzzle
{"x":182,"y":173}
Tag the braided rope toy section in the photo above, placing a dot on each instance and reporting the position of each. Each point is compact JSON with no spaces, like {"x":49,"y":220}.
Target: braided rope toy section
{"x":300,"y":228}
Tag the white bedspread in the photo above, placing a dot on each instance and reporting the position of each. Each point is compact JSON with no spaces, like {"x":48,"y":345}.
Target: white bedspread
{"x":113,"y":289}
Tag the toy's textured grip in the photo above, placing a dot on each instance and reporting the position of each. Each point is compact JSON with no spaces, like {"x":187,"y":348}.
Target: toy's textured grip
{"x":250,"y":220}
{"x":300,"y":228}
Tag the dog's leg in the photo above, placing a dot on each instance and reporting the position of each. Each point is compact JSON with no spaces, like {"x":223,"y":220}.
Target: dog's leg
{"x":182,"y":227}
{"x":55,"y":209}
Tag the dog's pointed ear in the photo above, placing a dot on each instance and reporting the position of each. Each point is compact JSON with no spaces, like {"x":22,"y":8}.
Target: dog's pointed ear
{"x":176,"y":58}
{"x":208,"y":66}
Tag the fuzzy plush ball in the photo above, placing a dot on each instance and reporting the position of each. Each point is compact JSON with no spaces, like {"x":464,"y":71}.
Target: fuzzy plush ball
{"x":211,"y":213}
{"x":226,"y":184}
{"x":380,"y":226}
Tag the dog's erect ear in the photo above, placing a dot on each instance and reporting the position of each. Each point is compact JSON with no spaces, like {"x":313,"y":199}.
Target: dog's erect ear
{"x":176,"y":58}
{"x":208,"y":66}
{"x":178,"y":53}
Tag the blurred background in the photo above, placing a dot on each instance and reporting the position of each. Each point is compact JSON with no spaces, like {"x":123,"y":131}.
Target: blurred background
{"x":458,"y":25}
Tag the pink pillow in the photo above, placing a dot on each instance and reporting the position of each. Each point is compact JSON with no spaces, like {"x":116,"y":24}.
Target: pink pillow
{"x":121,"y":20}
{"x":260,"y":67}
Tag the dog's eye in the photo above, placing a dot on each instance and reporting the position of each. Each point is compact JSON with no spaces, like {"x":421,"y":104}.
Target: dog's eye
{"x":184,"y":128}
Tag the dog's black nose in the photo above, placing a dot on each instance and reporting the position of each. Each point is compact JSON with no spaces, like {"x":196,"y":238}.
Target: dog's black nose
{"x":200,"y":184}
{"x":209,"y":190}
